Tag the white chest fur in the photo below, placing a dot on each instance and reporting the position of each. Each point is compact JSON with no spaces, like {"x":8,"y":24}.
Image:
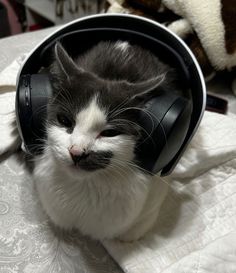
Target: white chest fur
{"x":102,"y":206}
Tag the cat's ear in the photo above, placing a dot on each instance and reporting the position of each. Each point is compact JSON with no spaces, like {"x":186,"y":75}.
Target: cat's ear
{"x":147,"y":89}
{"x":65,"y":62}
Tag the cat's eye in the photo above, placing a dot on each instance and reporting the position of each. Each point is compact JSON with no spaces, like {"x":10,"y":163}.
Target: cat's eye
{"x":64,"y":120}
{"x":110,"y":133}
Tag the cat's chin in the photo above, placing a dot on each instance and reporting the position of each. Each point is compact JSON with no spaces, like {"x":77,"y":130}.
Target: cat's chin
{"x":76,"y":172}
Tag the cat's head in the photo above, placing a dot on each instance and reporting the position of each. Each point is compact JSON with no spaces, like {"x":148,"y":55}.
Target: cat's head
{"x":92,"y":122}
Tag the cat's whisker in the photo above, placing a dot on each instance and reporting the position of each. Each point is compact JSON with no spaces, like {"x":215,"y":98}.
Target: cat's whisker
{"x":124,"y":102}
{"x":136,"y":127}
{"x":123,"y":164}
{"x":40,"y":111}
{"x":62,"y":105}
{"x":149,"y":114}
{"x":133,"y":167}
{"x":119,"y":171}
{"x":123,"y":122}
{"x":66,"y":95}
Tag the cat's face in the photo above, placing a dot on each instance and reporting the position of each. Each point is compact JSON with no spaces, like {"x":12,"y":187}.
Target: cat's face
{"x":92,"y":122}
{"x":88,"y":140}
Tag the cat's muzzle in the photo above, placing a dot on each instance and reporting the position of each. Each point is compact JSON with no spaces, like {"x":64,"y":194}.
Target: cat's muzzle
{"x":92,"y":161}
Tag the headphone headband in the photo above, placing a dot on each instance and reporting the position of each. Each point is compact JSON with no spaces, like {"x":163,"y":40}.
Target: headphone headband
{"x":89,"y":37}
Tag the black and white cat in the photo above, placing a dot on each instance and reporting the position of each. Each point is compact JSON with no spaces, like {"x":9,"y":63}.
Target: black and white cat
{"x":86,"y":177}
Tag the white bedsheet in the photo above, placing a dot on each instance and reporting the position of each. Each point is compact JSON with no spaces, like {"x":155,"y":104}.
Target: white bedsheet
{"x":196,"y":230}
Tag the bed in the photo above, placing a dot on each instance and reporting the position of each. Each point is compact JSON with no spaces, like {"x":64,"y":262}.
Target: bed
{"x":196,"y":230}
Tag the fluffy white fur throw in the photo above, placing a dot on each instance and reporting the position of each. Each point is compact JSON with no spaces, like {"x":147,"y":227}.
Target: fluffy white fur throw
{"x":205,"y":18}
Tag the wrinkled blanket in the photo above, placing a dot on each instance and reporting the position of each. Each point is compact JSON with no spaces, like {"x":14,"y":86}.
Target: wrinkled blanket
{"x":196,"y":230}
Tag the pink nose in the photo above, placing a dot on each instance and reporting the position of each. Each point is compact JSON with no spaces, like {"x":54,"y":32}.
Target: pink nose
{"x":77,"y":154}
{"x":75,"y":150}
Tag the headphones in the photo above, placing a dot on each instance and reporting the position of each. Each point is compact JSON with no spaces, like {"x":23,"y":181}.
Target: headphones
{"x":175,"y":118}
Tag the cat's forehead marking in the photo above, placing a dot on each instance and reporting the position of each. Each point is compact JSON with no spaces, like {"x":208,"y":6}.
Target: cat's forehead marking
{"x":92,"y":117}
{"x":123,"y":46}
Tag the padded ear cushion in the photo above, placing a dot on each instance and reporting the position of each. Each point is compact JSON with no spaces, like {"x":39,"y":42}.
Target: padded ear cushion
{"x":165,"y":122}
{"x":33,"y":94}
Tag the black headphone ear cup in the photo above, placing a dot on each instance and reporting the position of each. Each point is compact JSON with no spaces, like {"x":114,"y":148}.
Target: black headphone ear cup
{"x":33,"y":94}
{"x":165,"y":123}
{"x":41,"y":92}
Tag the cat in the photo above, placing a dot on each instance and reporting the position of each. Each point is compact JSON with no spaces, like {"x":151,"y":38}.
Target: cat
{"x":86,"y":176}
